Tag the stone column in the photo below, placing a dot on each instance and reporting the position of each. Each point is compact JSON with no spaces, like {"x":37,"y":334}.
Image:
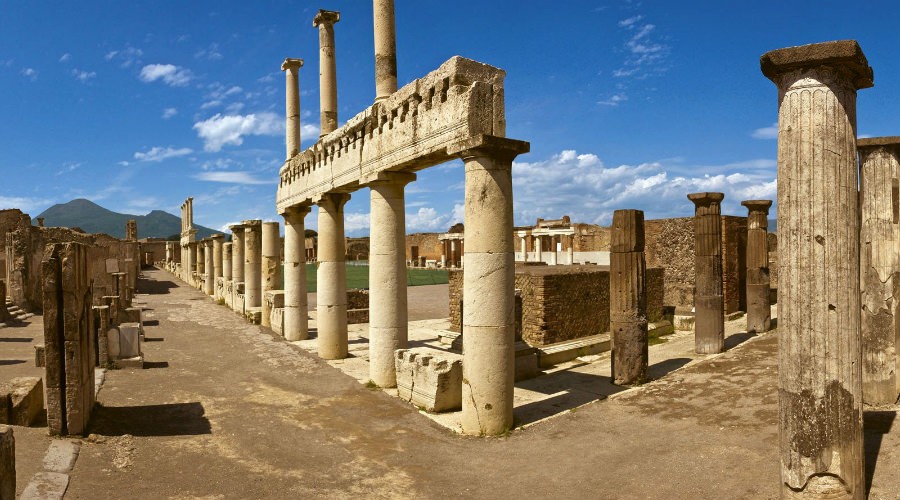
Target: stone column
{"x":759,"y":309}
{"x":168,"y":252}
{"x":554,"y":252}
{"x":524,"y":250}
{"x":628,"y":298}
{"x":538,"y":249}
{"x":226,"y":262}
{"x":444,"y":253}
{"x":7,"y":463}
{"x":237,"y":264}
{"x":387,"y":274}
{"x":252,"y":263}
{"x":709,"y":307}
{"x":325,"y":20}
{"x":879,"y":238}
{"x":291,"y":67}
{"x":195,"y":258}
{"x":331,"y":278}
{"x":488,"y":285}
{"x":819,"y":351}
{"x":186,"y":263}
{"x":296,"y":326}
{"x":209,"y":285}
{"x":217,"y":241}
{"x":271,"y":265}
{"x":385,"y":49}
{"x":571,"y":249}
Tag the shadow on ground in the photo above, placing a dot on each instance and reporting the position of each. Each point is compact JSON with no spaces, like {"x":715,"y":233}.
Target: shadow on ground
{"x":174,"y":419}
{"x":16,"y":339}
{"x":875,"y":425}
{"x":155,"y":287}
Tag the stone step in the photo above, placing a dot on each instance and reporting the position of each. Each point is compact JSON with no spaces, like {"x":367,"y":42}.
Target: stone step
{"x":561,"y":352}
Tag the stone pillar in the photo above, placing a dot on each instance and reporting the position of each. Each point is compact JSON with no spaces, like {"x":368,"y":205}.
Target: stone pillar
{"x":488,"y":285}
{"x":186,"y":263}
{"x":387,"y":275}
{"x":168,"y":252}
{"x":444,"y":253}
{"x":237,"y":253}
{"x":325,"y":20}
{"x":296,"y":326}
{"x":291,"y":67}
{"x":198,"y":265}
{"x":331,"y":278}
{"x":554,"y":253}
{"x":524,"y":250}
{"x":571,"y":249}
{"x":538,"y":249}
{"x":209,"y":266}
{"x":217,"y":241}
{"x":227,"y":266}
{"x":271,"y":265}
{"x":7,"y":463}
{"x":709,"y":307}
{"x":759,"y":309}
{"x":628,"y":298}
{"x":819,"y":362}
{"x":252,"y":263}
{"x":879,"y":238}
{"x":385,"y":49}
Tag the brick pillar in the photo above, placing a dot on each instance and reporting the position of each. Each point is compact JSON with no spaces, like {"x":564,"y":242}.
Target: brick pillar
{"x":628,"y":298}
{"x":709,"y":312}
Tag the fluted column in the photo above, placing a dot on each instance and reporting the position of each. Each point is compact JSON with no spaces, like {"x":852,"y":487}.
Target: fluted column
{"x":296,"y":325}
{"x":271,"y":266}
{"x":709,"y":306}
{"x":759,"y":309}
{"x":819,"y":352}
{"x":387,"y":274}
{"x":628,"y":298}
{"x":252,"y":263}
{"x":217,"y":241}
{"x":226,"y":262}
{"x":385,"y":49}
{"x":325,"y":20}
{"x":291,"y":68}
{"x":331,"y":278}
{"x":237,"y":263}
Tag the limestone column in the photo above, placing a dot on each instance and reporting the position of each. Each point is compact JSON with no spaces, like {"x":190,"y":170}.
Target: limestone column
{"x":331,"y":278}
{"x":168,"y":252}
{"x":462,"y":254}
{"x":237,"y":263}
{"x":271,"y":265}
{"x":709,"y":307}
{"x":879,"y":238}
{"x":252,"y":263}
{"x":291,"y":67}
{"x":554,"y":251}
{"x":209,"y":284}
{"x":385,"y":49}
{"x":488,"y":285}
{"x":759,"y":309}
{"x":195,"y":258}
{"x":296,"y":325}
{"x":185,"y":263}
{"x":325,"y":20}
{"x":444,"y":253}
{"x":819,"y":351}
{"x":226,"y":262}
{"x":387,"y":275}
{"x":524,"y":248}
{"x":453,"y":254}
{"x":217,"y":241}
{"x":628,"y":298}
{"x":538,"y":249}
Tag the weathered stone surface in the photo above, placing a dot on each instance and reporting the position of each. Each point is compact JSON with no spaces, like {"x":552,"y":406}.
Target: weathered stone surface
{"x":296,"y":308}
{"x":40,"y":359}
{"x":25,"y":401}
{"x":328,"y":101}
{"x":331,"y":295}
{"x":820,"y":365}
{"x":7,"y":463}
{"x":102,"y":322}
{"x":270,"y":265}
{"x":759,"y":310}
{"x":628,"y":299}
{"x":385,"y":49}
{"x":709,"y":329}
{"x":61,"y":455}
{"x":46,"y":486}
{"x":430,"y":381}
{"x":252,"y":263}
{"x":274,"y":300}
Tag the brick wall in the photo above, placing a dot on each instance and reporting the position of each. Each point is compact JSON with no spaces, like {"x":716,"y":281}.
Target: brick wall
{"x":428,"y":243}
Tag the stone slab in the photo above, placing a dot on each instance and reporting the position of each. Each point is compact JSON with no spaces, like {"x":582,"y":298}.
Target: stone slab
{"x":135,"y":362}
{"x":25,"y":400}
{"x":61,"y":455}
{"x":46,"y":486}
{"x":561,"y":352}
{"x":429,"y":381}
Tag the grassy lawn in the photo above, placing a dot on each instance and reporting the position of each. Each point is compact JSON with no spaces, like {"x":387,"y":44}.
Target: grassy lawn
{"x":358,"y":277}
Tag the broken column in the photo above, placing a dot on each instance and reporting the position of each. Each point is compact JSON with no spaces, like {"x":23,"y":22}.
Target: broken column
{"x":331,"y":293}
{"x":387,"y":274}
{"x":252,"y":263}
{"x":7,"y":463}
{"x":709,"y":307}
{"x":488,"y":284}
{"x":819,"y":352}
{"x":879,"y":203}
{"x":271,"y":265}
{"x":296,"y":326}
{"x":759,"y":309}
{"x":291,"y":67}
{"x":628,"y":298}
{"x":325,"y":20}
{"x":385,"y":49}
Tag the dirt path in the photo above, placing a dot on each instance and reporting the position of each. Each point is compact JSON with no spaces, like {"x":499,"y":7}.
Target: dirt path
{"x":226,"y":410}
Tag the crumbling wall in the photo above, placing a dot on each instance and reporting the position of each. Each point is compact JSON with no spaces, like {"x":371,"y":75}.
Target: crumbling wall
{"x":591,"y":238}
{"x":429,"y":245}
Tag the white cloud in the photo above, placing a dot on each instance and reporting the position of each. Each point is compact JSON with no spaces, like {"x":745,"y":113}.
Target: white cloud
{"x":232,"y":178}
{"x":212,"y":53}
{"x":160,"y":153}
{"x":83,"y":76}
{"x":69,"y":166}
{"x":170,"y":74}
{"x":625,"y":23}
{"x":169,"y":113}
{"x":308,"y":131}
{"x":221,"y":130}
{"x":646,"y":55}
{"x":614,"y":100}
{"x":30,"y":73}
{"x":127,"y":56}
{"x":65,"y":57}
{"x":770,"y":132}
{"x":24,"y":204}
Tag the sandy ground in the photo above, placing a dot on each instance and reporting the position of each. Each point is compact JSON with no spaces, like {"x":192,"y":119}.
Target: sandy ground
{"x":224,"y":409}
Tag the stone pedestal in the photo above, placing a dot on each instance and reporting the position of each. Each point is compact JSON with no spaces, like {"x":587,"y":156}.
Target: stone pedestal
{"x":759,"y":309}
{"x":819,"y":362}
{"x":709,"y":306}
{"x":628,"y":298}
{"x":252,"y":263}
{"x":385,"y":49}
{"x":325,"y":20}
{"x":296,"y":325}
{"x":291,"y":68}
{"x":331,"y":280}
{"x":387,"y":275}
{"x":271,"y":265}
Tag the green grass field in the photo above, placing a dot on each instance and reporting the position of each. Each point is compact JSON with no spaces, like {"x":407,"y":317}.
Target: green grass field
{"x":358,"y":277}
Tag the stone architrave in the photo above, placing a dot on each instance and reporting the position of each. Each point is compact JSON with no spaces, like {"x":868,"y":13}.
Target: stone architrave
{"x":7,"y":463}
{"x":385,"y":49}
{"x":271,"y":266}
{"x":488,"y":284}
{"x":879,"y":203}
{"x":628,"y":298}
{"x":387,"y":275}
{"x":291,"y":67}
{"x":331,"y":278}
{"x":819,"y":351}
{"x":296,"y":325}
{"x":709,"y":306}
{"x":252,"y":263}
{"x":325,"y":21}
{"x":759,"y":307}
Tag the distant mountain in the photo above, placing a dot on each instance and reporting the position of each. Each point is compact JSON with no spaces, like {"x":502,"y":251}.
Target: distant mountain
{"x":93,"y":218}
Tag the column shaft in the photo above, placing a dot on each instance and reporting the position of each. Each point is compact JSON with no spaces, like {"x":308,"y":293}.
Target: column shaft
{"x":709,"y":306}
{"x":296,"y":326}
{"x":327,"y":71}
{"x":291,"y":68}
{"x":331,"y":278}
{"x":226,"y":261}
{"x":385,"y":49}
{"x":252,"y":263}
{"x":271,"y":266}
{"x":209,"y":283}
{"x":759,"y":315}
{"x":628,"y":298}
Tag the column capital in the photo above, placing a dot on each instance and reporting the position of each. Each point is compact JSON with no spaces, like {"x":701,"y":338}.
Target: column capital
{"x":844,"y":55}
{"x":235,"y":228}
{"x":488,"y":145}
{"x":757,"y":205}
{"x":296,"y":211}
{"x":387,"y":177}
{"x":326,"y":18}
{"x":706,"y":199}
{"x":870,"y":144}
{"x":335,"y":198}
{"x":291,"y":63}
{"x":252,"y":224}
{"x":217,"y":237}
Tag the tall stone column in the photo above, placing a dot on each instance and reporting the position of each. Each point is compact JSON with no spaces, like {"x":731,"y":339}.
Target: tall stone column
{"x":628,"y":298}
{"x":237,"y":264}
{"x":168,"y":252}
{"x":296,"y":325}
{"x":252,"y":263}
{"x":226,"y":262}
{"x":524,"y":248}
{"x":217,"y":241}
{"x":209,"y":266}
{"x":271,"y":265}
{"x":385,"y":49}
{"x":709,"y":306}
{"x":387,"y":275}
{"x":488,"y":285}
{"x":444,"y":253}
{"x":538,"y":249}
{"x":331,"y":278}
{"x":197,"y":264}
{"x":759,"y":309}
{"x":571,"y":249}
{"x":325,"y":20}
{"x":879,"y":238}
{"x":819,"y":351}
{"x":186,"y":263}
{"x":554,"y":251}
{"x":291,"y":68}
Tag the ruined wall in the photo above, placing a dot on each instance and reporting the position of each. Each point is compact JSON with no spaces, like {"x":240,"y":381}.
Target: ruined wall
{"x":156,"y":248}
{"x":357,"y":248}
{"x":734,"y":263}
{"x":429,"y":245}
{"x":591,"y":238}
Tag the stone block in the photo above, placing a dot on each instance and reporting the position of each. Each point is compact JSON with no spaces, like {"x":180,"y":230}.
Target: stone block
{"x":527,"y":362}
{"x":46,"y":486}
{"x":39,"y":356}
{"x":61,"y":455}
{"x":7,"y":463}
{"x":129,"y":340}
{"x":428,"y":380}
{"x":24,"y":401}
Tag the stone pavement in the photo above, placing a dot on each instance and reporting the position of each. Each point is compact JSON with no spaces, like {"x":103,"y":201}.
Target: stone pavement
{"x":226,"y":410}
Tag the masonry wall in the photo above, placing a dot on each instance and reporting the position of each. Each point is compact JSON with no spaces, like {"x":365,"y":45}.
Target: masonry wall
{"x":591,"y":238}
{"x":428,"y":243}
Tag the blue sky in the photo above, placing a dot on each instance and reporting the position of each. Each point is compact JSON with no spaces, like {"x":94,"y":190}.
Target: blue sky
{"x":137,"y":105}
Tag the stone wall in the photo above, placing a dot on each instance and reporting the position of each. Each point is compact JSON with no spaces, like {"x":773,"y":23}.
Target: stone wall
{"x":428,"y":243}
{"x":591,"y":238}
{"x":156,"y":248}
{"x":455,"y":285}
{"x":357,"y":248}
